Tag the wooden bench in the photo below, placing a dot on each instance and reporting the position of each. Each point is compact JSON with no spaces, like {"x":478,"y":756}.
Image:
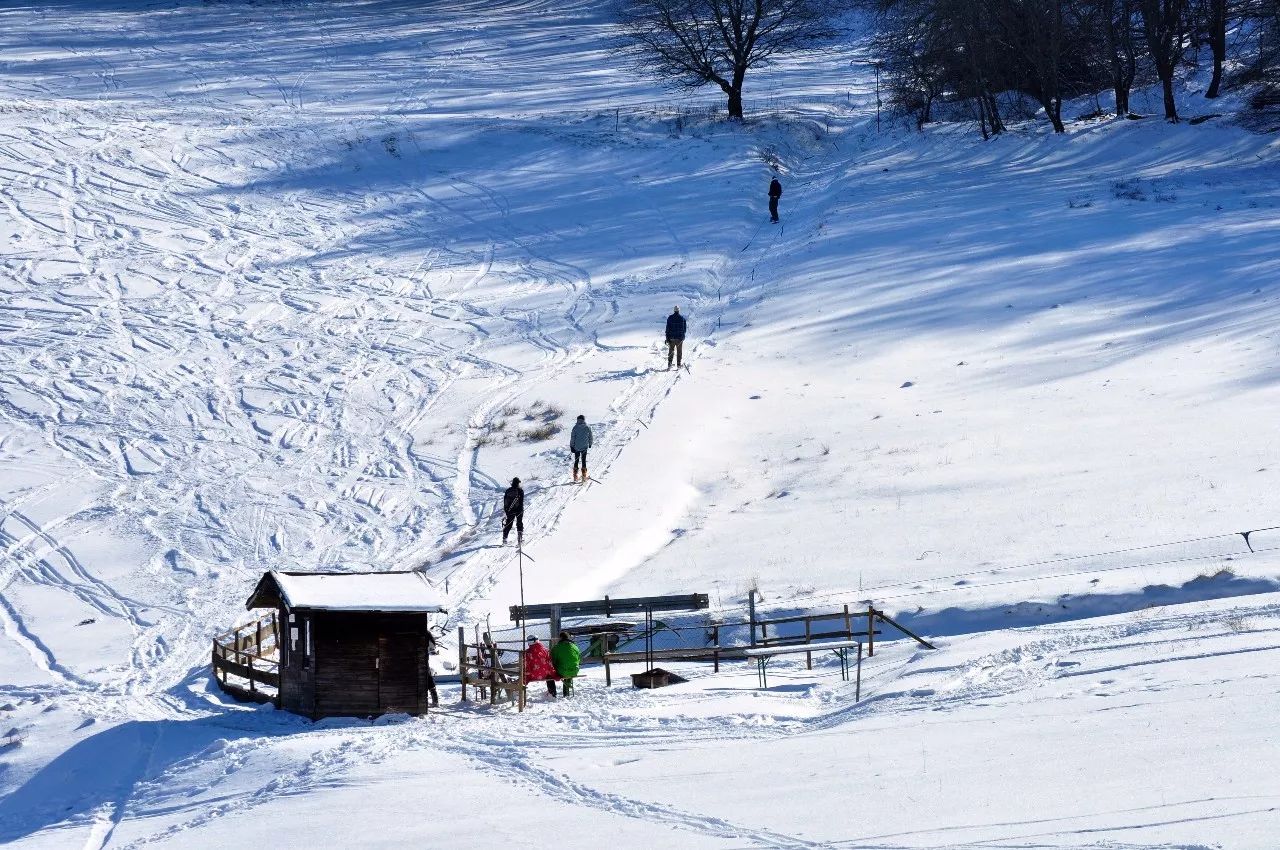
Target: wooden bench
{"x":763,"y":654}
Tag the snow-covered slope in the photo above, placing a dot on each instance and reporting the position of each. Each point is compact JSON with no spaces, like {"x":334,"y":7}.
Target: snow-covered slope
{"x":293,"y":286}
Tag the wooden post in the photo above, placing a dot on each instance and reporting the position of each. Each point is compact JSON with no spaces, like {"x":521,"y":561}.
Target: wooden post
{"x":848,"y":624}
{"x":715,"y":641}
{"x":493,"y":678}
{"x":905,"y":631}
{"x":808,"y":656}
{"x":751,"y":613}
{"x":608,"y":680}
{"x":871,"y":631}
{"x":555,"y":625}
{"x":462,"y":659}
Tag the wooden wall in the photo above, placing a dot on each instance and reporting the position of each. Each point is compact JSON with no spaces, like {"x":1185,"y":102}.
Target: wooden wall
{"x":361,"y":664}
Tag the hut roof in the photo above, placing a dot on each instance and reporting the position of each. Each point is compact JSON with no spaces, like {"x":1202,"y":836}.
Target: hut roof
{"x":393,"y":592}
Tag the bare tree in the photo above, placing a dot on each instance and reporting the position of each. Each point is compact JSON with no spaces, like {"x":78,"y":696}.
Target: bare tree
{"x":694,"y":43}
{"x":1164,"y":22}
{"x":1211,"y":22}
{"x":1121,"y":52}
{"x":1034,"y":31}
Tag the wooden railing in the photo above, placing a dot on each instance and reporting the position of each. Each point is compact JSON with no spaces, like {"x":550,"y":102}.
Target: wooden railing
{"x":845,"y":624}
{"x":246,"y":662}
{"x":480,"y":665}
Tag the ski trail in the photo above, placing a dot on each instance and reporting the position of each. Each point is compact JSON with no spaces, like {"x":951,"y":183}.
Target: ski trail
{"x":513,"y":763}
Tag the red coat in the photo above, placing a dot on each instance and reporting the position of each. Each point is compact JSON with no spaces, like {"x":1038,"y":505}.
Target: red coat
{"x":537,"y":663}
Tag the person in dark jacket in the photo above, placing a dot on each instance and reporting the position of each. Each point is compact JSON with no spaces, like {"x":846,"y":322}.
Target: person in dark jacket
{"x":579,"y":442}
{"x":775,"y":192}
{"x":675,"y":337}
{"x":432,"y":649}
{"x":513,"y":508}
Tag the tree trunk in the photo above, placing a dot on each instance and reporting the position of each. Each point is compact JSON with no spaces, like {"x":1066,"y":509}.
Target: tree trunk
{"x":1217,"y":43}
{"x":1053,"y":108}
{"x":993,"y":113}
{"x":1170,"y":106}
{"x":734,"y":91}
{"x":735,"y":103}
{"x":1163,"y":21}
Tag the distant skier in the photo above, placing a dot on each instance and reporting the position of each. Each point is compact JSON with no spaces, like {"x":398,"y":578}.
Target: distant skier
{"x":579,"y":442}
{"x":567,"y":660}
{"x":675,"y":337}
{"x":513,"y":508}
{"x":775,"y":192}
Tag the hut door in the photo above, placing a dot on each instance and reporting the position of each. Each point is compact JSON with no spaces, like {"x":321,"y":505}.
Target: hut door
{"x":400,"y":660}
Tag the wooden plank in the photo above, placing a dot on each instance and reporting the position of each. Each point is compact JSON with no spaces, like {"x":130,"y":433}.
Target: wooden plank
{"x":245,"y":672}
{"x":798,"y":640}
{"x":836,"y":615}
{"x":729,"y":652}
{"x":905,"y":631}
{"x":245,"y":696}
{"x":767,"y":651}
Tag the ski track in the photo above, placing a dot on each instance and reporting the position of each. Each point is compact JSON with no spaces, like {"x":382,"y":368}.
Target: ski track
{"x":179,"y":336}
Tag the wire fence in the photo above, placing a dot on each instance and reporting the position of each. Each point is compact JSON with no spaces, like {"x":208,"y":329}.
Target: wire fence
{"x":732,"y":624}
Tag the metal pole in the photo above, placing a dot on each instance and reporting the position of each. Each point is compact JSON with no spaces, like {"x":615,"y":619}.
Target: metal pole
{"x":524,"y":639}
{"x":877,"y":67}
{"x":462,"y":659}
{"x":857,"y":690}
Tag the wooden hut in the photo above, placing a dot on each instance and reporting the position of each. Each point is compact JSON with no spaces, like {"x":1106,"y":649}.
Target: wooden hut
{"x":351,"y":644}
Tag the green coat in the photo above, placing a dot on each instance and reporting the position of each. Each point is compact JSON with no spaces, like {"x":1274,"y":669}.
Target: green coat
{"x":566,"y":658}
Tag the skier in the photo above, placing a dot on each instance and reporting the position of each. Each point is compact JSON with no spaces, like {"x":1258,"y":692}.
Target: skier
{"x":567,"y":660}
{"x":579,"y":442}
{"x":538,"y":666}
{"x":775,"y":192}
{"x":513,"y":508}
{"x":675,"y":337}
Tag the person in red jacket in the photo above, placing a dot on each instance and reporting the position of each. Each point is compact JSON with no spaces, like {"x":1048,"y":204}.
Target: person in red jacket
{"x":538,"y":666}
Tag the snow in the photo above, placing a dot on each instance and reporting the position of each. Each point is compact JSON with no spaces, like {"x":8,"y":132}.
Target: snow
{"x":291,"y":287}
{"x":390,"y":592}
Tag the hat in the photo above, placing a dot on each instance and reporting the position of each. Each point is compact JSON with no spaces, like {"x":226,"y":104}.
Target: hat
{"x":564,"y":636}
{"x":581,"y":418}
{"x":533,"y":638}
{"x":515,"y":481}
{"x":677,"y":309}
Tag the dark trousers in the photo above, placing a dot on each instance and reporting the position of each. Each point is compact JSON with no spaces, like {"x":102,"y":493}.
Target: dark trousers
{"x":431,"y":688}
{"x":675,"y":348}
{"x":580,"y":460}
{"x":517,"y":519}
{"x":566,"y":687}
{"x":773,"y":208}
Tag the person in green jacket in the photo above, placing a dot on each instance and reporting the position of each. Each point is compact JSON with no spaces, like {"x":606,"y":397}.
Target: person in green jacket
{"x":567,"y":660}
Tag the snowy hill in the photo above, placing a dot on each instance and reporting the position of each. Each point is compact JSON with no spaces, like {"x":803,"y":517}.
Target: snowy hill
{"x":303,"y":285}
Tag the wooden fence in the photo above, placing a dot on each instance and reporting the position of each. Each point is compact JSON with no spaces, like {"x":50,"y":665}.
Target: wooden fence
{"x":845,"y":624}
{"x":246,"y":662}
{"x":480,"y":665}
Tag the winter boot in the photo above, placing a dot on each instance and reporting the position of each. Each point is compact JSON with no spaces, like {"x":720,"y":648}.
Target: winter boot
{"x":575,"y":475}
{"x":584,"y":475}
